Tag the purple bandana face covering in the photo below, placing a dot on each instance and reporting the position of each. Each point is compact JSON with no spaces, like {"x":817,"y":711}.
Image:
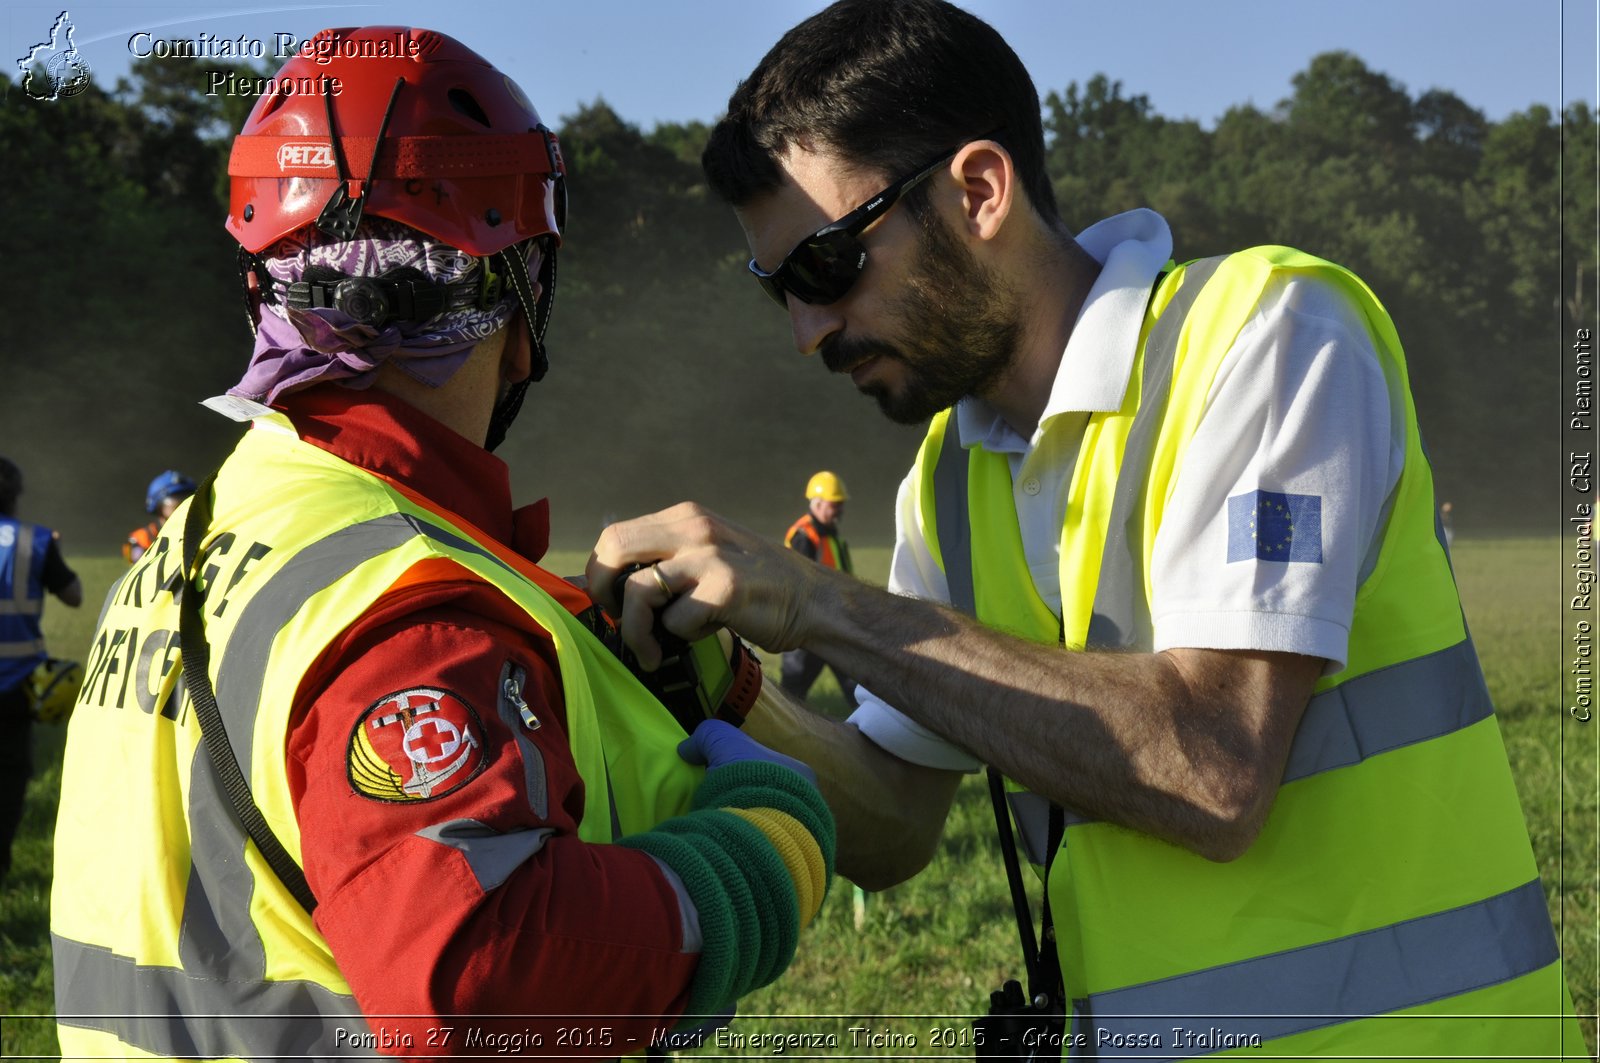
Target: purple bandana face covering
{"x":297,"y":348}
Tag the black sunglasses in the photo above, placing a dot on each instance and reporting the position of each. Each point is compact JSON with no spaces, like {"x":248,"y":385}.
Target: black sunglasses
{"x":825,"y":265}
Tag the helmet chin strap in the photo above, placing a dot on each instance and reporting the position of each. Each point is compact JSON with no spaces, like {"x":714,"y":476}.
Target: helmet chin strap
{"x":513,"y":263}
{"x":506,"y":409}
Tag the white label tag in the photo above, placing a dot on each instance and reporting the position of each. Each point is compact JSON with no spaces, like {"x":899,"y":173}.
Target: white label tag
{"x":235,"y":408}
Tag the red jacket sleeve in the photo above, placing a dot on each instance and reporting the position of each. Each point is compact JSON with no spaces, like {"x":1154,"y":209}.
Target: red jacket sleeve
{"x":438,"y":832}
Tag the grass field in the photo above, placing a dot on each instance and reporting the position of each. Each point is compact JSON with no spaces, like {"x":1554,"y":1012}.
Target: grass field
{"x":930,"y":950}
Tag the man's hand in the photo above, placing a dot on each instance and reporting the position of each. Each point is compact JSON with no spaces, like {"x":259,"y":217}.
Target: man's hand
{"x":719,"y":575}
{"x":1187,"y":744}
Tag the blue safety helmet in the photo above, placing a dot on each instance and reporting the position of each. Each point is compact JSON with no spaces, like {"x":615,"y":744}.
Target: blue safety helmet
{"x":170,"y":483}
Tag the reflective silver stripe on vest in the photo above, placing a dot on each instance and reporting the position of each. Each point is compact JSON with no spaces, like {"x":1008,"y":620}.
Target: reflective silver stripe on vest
{"x":21,"y":568}
{"x":169,"y":1012}
{"x":1375,"y":972}
{"x":223,"y":956}
{"x":243,"y":668}
{"x":217,"y":928}
{"x":1112,"y":620}
{"x":216,"y":934}
{"x":21,"y":603}
{"x":1112,"y":625}
{"x":27,"y":648}
{"x":1414,"y":701}
{"x":196,"y":1010}
{"x":951,"y":521}
{"x":312,"y":570}
{"x":1121,"y":618}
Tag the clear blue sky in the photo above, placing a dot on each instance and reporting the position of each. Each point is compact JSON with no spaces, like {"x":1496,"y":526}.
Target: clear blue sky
{"x":677,"y":60}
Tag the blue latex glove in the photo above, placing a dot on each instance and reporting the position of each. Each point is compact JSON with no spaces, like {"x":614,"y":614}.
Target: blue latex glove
{"x":715,"y":743}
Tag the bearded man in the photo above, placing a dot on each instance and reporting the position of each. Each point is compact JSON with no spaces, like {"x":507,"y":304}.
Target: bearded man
{"x":1167,"y":562}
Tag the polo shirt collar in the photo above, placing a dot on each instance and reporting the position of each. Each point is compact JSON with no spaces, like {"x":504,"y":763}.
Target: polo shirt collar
{"x":1093,"y":374}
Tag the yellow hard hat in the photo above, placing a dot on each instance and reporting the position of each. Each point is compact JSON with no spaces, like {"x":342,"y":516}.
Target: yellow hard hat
{"x":53,"y":689}
{"x":828,"y":487}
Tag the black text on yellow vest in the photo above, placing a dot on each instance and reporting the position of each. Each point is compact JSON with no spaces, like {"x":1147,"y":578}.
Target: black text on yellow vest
{"x":162,"y":913}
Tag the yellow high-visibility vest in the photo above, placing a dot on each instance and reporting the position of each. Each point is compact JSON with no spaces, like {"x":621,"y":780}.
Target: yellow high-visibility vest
{"x":163,"y":915}
{"x":1394,"y":876}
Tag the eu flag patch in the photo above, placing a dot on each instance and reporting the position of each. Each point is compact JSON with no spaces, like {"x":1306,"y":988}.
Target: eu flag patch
{"x":1273,"y":526}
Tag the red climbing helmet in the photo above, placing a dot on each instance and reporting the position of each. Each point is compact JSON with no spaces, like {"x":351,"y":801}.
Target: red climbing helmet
{"x":464,"y":156}
{"x":410,"y":125}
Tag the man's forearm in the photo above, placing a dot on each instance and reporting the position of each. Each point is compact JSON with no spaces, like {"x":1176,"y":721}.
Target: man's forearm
{"x":1186,"y":745}
{"x":889,"y":813}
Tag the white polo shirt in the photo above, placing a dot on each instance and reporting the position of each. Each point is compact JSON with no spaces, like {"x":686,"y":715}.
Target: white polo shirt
{"x":1300,"y":415}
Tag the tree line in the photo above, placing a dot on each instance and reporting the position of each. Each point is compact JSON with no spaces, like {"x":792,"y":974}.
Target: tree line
{"x":673,"y":378}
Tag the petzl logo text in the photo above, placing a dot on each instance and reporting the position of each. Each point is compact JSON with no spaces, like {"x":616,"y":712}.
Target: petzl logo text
{"x":303,"y":155}
{"x":54,"y":69}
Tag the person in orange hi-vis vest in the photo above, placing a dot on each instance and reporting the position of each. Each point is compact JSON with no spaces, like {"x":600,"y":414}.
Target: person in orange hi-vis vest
{"x":160,"y":499}
{"x":816,"y":535}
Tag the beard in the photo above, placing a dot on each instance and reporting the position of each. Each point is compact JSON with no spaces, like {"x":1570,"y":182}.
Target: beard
{"x":962,"y":327}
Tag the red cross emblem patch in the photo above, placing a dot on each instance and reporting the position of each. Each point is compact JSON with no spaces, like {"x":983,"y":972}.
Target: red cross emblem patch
{"x":415,"y":745}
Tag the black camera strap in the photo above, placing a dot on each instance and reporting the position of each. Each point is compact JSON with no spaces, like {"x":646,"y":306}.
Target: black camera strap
{"x":1040,"y":958}
{"x":1050,"y":981}
{"x":197,"y":680}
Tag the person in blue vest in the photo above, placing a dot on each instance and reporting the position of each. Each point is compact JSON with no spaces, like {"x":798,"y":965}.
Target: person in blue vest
{"x":30,"y":564}
{"x":1166,"y":563}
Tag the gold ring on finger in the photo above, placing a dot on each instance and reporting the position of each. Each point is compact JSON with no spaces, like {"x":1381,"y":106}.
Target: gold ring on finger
{"x":661,"y":581}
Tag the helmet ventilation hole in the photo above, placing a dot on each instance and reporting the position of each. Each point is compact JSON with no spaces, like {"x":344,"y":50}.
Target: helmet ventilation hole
{"x":426,"y":41}
{"x":273,"y":100}
{"x":464,"y":102}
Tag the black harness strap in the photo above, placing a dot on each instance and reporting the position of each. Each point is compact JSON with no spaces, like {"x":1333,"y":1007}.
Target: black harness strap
{"x":197,"y":680}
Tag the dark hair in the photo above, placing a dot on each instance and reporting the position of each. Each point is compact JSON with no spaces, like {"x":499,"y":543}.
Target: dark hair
{"x":10,"y":486}
{"x":887,"y":84}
